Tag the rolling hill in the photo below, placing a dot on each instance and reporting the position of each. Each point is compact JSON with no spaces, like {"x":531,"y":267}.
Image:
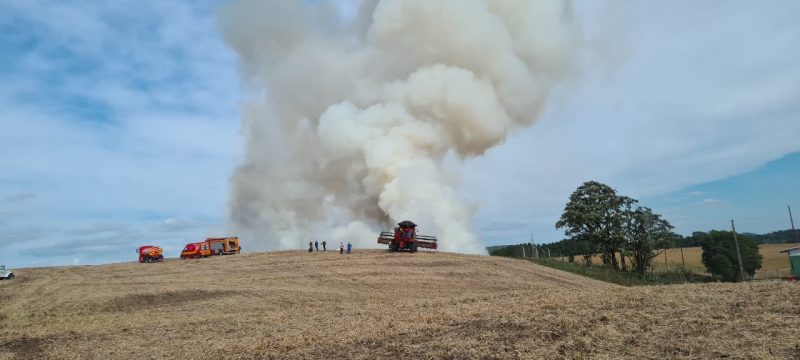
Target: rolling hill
{"x":374,"y":304}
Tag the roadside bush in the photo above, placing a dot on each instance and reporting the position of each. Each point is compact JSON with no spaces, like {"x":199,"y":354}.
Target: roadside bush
{"x":719,"y":255}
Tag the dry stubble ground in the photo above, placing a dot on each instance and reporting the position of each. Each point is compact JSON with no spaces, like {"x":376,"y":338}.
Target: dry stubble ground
{"x":374,"y":304}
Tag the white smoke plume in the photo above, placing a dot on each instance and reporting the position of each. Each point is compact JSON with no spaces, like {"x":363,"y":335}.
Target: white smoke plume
{"x":358,"y":116}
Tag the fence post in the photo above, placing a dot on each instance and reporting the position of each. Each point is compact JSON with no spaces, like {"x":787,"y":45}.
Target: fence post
{"x":738,"y":253}
{"x":683,"y":261}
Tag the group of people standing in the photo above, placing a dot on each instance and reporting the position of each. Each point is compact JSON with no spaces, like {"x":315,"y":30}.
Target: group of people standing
{"x":315,"y":245}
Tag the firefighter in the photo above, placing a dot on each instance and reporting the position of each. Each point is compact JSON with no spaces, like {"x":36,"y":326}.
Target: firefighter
{"x":316,"y":244}
{"x":323,"y":245}
{"x":310,"y":246}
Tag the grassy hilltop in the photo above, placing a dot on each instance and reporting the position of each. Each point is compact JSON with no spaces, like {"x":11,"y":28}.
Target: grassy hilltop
{"x":375,"y":304}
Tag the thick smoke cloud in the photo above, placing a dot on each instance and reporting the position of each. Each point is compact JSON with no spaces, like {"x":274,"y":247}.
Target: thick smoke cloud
{"x":356,"y":119}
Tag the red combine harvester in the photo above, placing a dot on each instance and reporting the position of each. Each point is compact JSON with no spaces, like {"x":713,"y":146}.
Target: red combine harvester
{"x":405,"y":238}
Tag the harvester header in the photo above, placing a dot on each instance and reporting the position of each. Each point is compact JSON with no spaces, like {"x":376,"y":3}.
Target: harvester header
{"x":405,"y":238}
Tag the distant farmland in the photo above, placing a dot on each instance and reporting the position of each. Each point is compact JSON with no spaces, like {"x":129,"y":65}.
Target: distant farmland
{"x":774,"y":262}
{"x":379,"y":305}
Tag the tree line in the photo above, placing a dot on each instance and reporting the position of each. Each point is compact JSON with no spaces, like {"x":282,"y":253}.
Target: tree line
{"x":775,"y":237}
{"x":627,"y":237}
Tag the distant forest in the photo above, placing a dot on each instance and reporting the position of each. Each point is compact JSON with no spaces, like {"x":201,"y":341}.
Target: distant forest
{"x":572,"y":248}
{"x":775,"y":237}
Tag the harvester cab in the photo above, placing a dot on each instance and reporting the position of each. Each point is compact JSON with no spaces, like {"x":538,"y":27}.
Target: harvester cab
{"x":405,"y":238}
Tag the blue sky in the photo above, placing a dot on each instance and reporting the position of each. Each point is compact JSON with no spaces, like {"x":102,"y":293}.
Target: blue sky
{"x":672,"y":98}
{"x":756,"y":200}
{"x":119,"y":125}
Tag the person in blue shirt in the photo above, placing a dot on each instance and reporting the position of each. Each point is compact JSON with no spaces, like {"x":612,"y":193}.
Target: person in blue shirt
{"x":349,"y":247}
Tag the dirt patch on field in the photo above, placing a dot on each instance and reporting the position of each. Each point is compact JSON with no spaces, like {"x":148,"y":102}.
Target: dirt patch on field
{"x":26,"y":347}
{"x":133,"y":302}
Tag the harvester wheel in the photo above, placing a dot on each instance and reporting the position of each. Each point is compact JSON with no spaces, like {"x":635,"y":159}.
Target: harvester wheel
{"x":10,"y":277}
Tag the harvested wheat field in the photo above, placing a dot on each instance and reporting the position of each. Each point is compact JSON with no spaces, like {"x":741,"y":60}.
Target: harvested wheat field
{"x":774,"y":262}
{"x":373,"y":304}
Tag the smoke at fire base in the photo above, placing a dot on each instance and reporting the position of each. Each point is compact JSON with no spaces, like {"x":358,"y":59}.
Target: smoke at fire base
{"x":357,"y":115}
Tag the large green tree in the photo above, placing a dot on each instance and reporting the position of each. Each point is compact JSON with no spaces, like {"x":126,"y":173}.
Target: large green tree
{"x":719,"y":255}
{"x":645,"y":232}
{"x":594,"y":215}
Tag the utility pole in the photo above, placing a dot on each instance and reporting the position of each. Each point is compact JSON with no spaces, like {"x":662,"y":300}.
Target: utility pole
{"x":534,"y":254}
{"x":791,"y":219}
{"x":738,"y":253}
{"x":683,"y":262}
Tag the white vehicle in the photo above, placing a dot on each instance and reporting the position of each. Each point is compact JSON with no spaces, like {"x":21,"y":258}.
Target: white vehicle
{"x":5,"y":275}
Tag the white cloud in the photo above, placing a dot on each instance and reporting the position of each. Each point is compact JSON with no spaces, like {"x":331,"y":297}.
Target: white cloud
{"x":119,"y":116}
{"x":710,"y":201}
{"x":176,"y":224}
{"x":116,"y":114}
{"x":700,"y":92}
{"x":20,"y":197}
